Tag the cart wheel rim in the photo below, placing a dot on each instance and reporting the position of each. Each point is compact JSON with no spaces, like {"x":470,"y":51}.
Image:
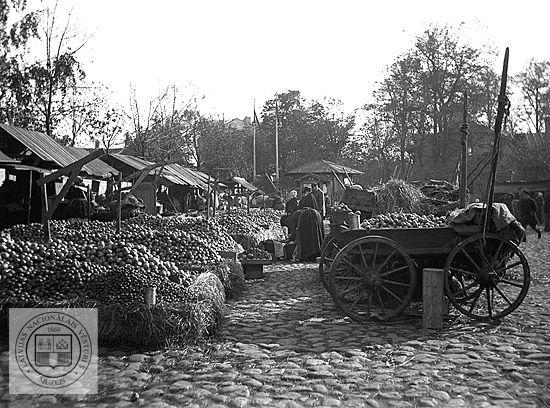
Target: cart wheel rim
{"x":372,"y":277}
{"x":486,"y":277}
{"x":328,"y":254}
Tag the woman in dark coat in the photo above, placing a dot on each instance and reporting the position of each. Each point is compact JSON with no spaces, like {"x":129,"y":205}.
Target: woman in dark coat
{"x":309,"y":231}
{"x":309,"y":235}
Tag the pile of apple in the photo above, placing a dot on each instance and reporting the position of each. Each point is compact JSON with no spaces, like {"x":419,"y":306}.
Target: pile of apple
{"x":208,"y":230}
{"x":404,"y":220}
{"x":88,"y":260}
{"x":258,"y":222}
{"x":237,"y":224}
{"x":255,"y":254}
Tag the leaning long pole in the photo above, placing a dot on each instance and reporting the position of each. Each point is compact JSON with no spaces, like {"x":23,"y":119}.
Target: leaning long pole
{"x":254,"y":143}
{"x":502,"y":106}
{"x":464,"y":153}
{"x":276,"y":137}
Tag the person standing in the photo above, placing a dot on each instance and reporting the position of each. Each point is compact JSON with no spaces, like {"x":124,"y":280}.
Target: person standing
{"x":539,"y":201}
{"x":291,"y":204}
{"x":308,"y":199}
{"x":319,"y":198}
{"x":528,"y":212}
{"x":546,"y":211}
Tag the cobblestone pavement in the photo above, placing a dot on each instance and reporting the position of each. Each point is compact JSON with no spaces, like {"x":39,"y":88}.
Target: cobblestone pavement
{"x":286,"y":345}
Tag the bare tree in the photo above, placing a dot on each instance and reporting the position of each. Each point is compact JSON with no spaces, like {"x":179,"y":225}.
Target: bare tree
{"x":165,"y":128}
{"x":534,"y":85}
{"x":59,"y":71}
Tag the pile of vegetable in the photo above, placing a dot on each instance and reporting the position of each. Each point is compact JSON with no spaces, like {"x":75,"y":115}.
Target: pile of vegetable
{"x":87,"y":260}
{"x":404,"y":220}
{"x":249,"y":230}
{"x":255,"y":253}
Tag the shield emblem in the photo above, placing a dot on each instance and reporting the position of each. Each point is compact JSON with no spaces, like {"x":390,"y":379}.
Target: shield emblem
{"x":53,"y":350}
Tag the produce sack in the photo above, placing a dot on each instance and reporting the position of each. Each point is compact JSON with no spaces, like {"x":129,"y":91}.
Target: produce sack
{"x":469,"y":220}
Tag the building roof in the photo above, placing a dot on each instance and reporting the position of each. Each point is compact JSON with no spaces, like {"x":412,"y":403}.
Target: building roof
{"x":323,"y":166}
{"x":97,"y":166}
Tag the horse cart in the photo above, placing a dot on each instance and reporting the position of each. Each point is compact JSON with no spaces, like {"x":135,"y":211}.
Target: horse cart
{"x":377,"y":273}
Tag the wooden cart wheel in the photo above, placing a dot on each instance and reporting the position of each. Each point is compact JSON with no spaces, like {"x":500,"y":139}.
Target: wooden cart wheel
{"x":372,"y":277}
{"x":330,"y":249}
{"x":486,"y":277}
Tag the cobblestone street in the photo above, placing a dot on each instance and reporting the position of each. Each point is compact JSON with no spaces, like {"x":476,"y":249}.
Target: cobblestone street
{"x":285,"y":344}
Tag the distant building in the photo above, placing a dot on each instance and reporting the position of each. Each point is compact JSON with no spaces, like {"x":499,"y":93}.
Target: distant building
{"x":239,"y":124}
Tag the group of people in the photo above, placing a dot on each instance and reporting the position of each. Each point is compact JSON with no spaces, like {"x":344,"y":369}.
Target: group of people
{"x":304,"y":220}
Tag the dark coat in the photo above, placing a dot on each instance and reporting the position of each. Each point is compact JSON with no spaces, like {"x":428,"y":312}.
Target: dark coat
{"x":527,"y":211}
{"x":310,"y":235}
{"x":291,"y":205}
{"x":308,"y":201}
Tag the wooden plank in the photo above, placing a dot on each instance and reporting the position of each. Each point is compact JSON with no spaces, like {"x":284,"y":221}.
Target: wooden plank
{"x":30,"y":198}
{"x":119,"y":206}
{"x":71,"y":167}
{"x":45,"y":220}
{"x":62,"y":193}
{"x":432,"y":298}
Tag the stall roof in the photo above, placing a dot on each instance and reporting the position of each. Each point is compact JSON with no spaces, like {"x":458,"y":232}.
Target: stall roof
{"x":7,"y":160}
{"x":323,"y":166}
{"x":97,"y":166}
{"x":132,"y":161}
{"x":242,"y":182}
{"x":179,"y":175}
{"x":47,"y":149}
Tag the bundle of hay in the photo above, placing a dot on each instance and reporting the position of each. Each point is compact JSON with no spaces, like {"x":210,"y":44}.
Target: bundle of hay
{"x":398,"y":196}
{"x":166,"y":324}
{"x":158,"y":326}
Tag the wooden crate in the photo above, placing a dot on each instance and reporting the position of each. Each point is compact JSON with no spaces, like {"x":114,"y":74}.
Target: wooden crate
{"x":360,"y":200}
{"x":254,"y":268}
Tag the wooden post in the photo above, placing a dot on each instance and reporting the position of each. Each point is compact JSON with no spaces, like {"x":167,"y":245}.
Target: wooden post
{"x":432,"y":298}
{"x":215,"y":196}
{"x":464,"y":154}
{"x":45,"y":218}
{"x":89,"y":196}
{"x":119,"y":205}
{"x":30,"y":198}
{"x":208,"y":200}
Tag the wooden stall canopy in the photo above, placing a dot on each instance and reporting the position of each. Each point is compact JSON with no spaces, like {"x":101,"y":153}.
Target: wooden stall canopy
{"x":40,"y":150}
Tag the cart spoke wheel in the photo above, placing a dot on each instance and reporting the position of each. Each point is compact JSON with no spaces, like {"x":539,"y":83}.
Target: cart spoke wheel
{"x":372,"y":278}
{"x":330,"y":249}
{"x":486,"y":277}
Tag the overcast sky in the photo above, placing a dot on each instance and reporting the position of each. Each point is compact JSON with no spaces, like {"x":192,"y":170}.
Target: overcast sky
{"x":235,"y":51}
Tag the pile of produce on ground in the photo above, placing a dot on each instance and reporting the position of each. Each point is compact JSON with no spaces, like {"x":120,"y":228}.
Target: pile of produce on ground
{"x":88,"y":262}
{"x":255,"y":253}
{"x":404,"y":220}
{"x":210,"y":230}
{"x":249,"y":230}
